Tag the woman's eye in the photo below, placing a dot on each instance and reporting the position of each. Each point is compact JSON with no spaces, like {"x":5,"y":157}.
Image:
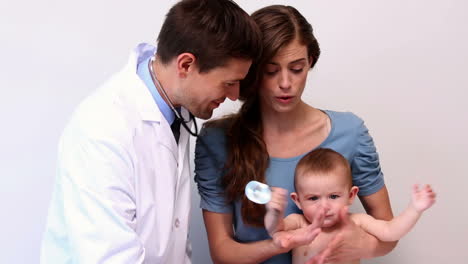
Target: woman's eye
{"x":297,"y":70}
{"x":270,"y":72}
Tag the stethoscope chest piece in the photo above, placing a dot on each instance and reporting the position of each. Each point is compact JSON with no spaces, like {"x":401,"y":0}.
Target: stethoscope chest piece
{"x":258,"y":192}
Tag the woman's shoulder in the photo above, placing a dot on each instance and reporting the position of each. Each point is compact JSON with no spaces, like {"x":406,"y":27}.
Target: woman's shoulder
{"x":344,"y":118}
{"x":345,"y":125}
{"x":216,"y":127}
{"x":212,"y":137}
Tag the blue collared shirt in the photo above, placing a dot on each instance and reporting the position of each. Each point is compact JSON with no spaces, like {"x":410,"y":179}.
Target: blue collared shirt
{"x":144,"y":74}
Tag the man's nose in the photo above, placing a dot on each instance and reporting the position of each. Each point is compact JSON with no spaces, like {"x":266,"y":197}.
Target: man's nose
{"x":233,"y":93}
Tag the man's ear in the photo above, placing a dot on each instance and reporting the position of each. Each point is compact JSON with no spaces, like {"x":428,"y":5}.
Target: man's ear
{"x":186,"y":63}
{"x":295,"y":198}
{"x":352,"y":194}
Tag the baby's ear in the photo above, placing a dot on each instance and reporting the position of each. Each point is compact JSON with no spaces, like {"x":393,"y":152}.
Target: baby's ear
{"x":352,"y":194}
{"x":295,"y":198}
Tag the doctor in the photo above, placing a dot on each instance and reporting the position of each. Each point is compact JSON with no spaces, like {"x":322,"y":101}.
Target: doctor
{"x":122,"y":191}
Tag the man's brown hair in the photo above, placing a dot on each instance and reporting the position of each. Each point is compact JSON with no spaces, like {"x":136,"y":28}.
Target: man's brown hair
{"x":214,"y":31}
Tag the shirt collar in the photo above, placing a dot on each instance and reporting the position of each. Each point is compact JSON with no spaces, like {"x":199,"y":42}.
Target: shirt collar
{"x":145,"y":75}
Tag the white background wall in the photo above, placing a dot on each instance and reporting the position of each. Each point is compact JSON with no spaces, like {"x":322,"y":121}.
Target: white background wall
{"x":401,"y":65}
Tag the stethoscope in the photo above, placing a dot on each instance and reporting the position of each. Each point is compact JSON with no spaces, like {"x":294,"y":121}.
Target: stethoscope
{"x":178,"y":116}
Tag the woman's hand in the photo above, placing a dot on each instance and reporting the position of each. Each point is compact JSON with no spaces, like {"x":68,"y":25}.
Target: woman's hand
{"x":296,"y":235}
{"x":351,"y":243}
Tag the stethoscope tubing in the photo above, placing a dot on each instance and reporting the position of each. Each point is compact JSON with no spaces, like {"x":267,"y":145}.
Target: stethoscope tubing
{"x":176,"y":113}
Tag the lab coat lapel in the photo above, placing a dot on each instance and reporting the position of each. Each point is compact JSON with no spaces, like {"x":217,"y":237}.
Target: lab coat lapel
{"x":147,"y":108}
{"x":166,"y":137}
{"x":138,"y":93}
{"x":149,"y":112}
{"x":184,"y":137}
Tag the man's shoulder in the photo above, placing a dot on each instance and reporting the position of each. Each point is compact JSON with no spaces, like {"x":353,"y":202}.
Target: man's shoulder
{"x":102,"y":115}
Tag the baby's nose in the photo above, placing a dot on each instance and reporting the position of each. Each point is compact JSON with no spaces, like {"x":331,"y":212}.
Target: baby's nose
{"x":326,"y":206}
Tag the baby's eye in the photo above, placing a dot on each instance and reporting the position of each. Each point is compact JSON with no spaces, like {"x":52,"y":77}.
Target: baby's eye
{"x":313,"y":198}
{"x":334,"y":196}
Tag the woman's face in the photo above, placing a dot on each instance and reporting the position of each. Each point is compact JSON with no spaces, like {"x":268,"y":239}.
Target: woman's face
{"x":284,"y":78}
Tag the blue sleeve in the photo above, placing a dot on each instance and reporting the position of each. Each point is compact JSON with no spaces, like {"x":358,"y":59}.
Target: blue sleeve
{"x":210,"y":157}
{"x":365,"y":164}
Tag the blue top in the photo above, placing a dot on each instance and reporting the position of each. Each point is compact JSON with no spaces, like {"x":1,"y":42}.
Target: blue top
{"x":348,"y":136}
{"x":144,"y":74}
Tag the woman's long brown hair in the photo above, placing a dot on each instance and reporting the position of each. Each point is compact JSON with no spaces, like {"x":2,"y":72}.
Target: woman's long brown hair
{"x":247,"y":153}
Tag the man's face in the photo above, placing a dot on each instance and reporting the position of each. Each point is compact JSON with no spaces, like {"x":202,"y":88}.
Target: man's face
{"x":203,"y":92}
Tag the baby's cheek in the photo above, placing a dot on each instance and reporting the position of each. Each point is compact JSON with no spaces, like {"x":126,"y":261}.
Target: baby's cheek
{"x":309,"y":214}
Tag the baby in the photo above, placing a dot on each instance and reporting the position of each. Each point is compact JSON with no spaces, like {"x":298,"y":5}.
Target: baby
{"x":323,"y":184}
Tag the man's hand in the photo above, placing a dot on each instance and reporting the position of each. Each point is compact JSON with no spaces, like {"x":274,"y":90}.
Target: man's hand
{"x":289,"y":239}
{"x":351,"y":243}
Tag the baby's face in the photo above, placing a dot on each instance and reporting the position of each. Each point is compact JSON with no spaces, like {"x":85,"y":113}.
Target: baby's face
{"x":330,"y":192}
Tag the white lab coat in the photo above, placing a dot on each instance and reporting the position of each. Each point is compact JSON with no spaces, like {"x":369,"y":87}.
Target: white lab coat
{"x":122,"y":192}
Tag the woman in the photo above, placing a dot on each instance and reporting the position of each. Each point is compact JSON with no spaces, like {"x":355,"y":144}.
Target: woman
{"x":264,"y":141}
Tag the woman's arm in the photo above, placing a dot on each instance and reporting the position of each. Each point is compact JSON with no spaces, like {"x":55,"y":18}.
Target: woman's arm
{"x":223,"y":247}
{"x":378,"y":206}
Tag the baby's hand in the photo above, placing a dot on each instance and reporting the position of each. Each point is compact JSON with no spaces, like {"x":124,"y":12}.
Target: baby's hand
{"x":422,"y":198}
{"x":278,"y":200}
{"x":275,"y":210}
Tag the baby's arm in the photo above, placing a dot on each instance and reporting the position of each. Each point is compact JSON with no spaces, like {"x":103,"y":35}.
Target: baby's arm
{"x":400,"y":225}
{"x":274,"y":221}
{"x":274,"y":217}
{"x":294,"y":230}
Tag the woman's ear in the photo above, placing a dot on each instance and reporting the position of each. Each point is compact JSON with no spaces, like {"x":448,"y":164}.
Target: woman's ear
{"x":186,"y":63}
{"x":295,"y":198}
{"x":352,"y":194}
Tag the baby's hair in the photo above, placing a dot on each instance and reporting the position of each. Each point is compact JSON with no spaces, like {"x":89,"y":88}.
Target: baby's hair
{"x":323,"y":161}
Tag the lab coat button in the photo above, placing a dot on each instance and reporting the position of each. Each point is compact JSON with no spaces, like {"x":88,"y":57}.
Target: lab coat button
{"x":177,"y":223}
